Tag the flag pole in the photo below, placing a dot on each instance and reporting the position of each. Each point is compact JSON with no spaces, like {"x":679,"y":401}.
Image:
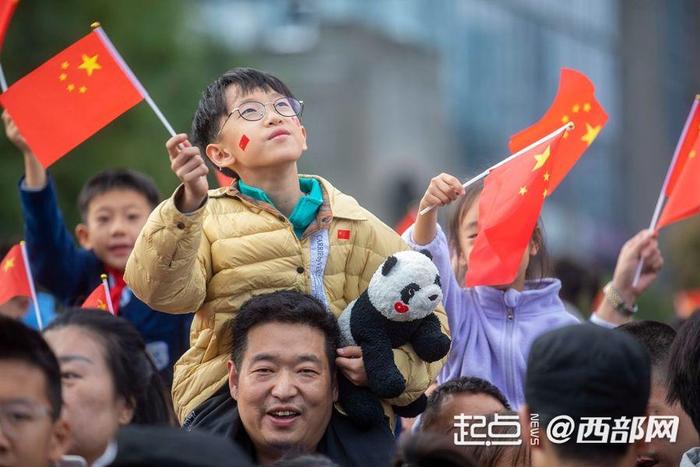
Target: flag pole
{"x":667,"y":179}
{"x":132,"y":77}
{"x":3,"y":80}
{"x":108,"y":296}
{"x":25,"y":259}
{"x":566,"y":127}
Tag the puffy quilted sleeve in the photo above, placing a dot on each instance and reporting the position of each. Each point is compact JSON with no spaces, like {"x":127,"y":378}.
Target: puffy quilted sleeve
{"x":171,"y":262}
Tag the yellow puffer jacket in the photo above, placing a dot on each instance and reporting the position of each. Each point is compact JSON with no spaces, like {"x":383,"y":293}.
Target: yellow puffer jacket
{"x":234,"y":247}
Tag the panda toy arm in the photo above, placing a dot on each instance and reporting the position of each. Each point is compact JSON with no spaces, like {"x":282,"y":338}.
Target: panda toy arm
{"x":428,"y":340}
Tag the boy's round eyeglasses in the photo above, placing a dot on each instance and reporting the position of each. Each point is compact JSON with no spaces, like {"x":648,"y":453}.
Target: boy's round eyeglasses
{"x":253,"y":111}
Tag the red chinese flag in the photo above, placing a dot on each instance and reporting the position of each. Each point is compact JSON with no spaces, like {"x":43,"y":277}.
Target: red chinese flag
{"x":14,"y":280}
{"x":71,"y":97}
{"x":7,"y":9}
{"x":575,"y":102}
{"x":97,"y":299}
{"x":684,"y":200}
{"x":685,"y":146}
{"x":406,"y":221}
{"x":509,"y":207}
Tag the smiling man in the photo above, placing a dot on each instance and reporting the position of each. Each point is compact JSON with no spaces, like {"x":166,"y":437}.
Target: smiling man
{"x":282,"y":387}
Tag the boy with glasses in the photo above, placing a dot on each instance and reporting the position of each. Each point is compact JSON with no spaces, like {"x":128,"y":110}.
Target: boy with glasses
{"x":31,"y":433}
{"x":271,"y":229}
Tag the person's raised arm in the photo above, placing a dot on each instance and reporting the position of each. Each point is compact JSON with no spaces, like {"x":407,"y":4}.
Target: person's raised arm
{"x":171,"y":261}
{"x":34,"y":173}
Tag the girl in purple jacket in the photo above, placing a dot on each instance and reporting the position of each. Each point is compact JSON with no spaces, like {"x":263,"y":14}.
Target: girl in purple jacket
{"x":493,"y":327}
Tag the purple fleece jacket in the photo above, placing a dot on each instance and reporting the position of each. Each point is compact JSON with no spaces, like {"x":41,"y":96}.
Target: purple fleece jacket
{"x":492,"y":330}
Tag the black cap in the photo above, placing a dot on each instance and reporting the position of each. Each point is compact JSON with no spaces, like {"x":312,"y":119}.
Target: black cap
{"x":585,"y":370}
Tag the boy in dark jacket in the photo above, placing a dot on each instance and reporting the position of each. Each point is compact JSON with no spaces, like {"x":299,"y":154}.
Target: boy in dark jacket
{"x":114,"y":206}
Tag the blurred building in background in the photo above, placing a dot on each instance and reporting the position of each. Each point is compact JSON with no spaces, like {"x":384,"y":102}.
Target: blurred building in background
{"x":397,"y":91}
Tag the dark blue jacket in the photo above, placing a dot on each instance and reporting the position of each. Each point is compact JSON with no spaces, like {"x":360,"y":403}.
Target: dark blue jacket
{"x":70,"y":273}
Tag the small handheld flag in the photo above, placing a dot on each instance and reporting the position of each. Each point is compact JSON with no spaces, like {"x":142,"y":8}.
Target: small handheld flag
{"x":74,"y":95}
{"x":16,"y":278}
{"x":680,"y":185}
{"x":100,"y":297}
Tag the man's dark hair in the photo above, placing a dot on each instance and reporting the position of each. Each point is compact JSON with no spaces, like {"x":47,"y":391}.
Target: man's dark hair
{"x":684,"y":369}
{"x":305,"y":460}
{"x":585,"y":370}
{"x":461,"y":385}
{"x":430,"y":449}
{"x":117,"y":179}
{"x":212,"y":105}
{"x":656,"y":338}
{"x":284,"y":306}
{"x":19,"y":343}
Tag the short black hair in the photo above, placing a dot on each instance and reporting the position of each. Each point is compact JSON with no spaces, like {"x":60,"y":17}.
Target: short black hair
{"x":19,"y":343}
{"x":117,"y":179}
{"x":304,"y":460}
{"x":684,"y":370}
{"x":586,"y":370}
{"x":212,"y":105}
{"x":461,"y":385}
{"x":283,"y":306}
{"x":656,"y":338}
{"x":136,"y":379}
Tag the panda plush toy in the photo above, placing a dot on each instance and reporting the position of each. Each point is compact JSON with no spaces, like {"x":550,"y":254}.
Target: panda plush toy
{"x":396,"y":309}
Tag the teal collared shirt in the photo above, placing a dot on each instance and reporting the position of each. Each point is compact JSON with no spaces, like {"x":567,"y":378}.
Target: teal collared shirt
{"x":306,"y":208}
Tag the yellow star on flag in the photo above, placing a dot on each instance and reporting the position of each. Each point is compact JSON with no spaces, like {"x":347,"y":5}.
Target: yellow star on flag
{"x":691,"y":154}
{"x":523,"y":190}
{"x":82,"y":89}
{"x":70,"y":87}
{"x":64,"y":65}
{"x":90,"y":64}
{"x":546,"y":176}
{"x":101,"y":305}
{"x":544,"y":194}
{"x":591,"y":133}
{"x":541,"y":159}
{"x":9,"y":264}
{"x":63,"y":76}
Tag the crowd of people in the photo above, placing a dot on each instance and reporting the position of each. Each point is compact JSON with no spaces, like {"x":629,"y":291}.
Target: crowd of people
{"x":224,"y":348}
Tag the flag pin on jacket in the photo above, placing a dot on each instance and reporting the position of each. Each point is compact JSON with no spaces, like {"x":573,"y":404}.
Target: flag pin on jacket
{"x":343,"y":234}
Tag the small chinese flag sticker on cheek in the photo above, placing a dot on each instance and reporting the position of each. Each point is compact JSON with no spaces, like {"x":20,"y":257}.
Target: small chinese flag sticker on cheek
{"x":343,"y":234}
{"x":243,"y":143}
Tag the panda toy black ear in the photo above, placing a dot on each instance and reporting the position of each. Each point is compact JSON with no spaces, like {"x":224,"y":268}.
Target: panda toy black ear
{"x":389,"y":265}
{"x":427,"y":253}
